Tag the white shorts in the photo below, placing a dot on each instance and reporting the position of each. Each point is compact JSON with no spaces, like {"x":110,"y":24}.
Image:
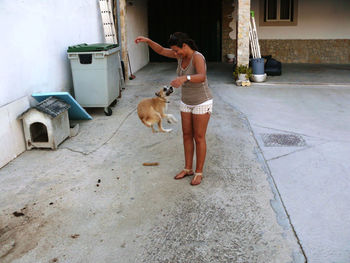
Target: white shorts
{"x":203,"y":108}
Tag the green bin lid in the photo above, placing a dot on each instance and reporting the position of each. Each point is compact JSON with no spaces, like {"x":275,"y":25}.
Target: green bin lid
{"x":92,"y":47}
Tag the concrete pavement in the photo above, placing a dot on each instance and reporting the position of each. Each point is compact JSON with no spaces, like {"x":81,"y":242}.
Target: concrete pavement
{"x":312,"y":178}
{"x":93,"y":201}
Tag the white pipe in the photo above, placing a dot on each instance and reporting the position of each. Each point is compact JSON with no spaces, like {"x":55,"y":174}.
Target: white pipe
{"x":252,"y":42}
{"x":256,"y":38}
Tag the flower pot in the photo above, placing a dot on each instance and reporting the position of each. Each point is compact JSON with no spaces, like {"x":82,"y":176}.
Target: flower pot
{"x":230,"y":56}
{"x":257,"y":66}
{"x":258,"y":78}
{"x":242,"y":77}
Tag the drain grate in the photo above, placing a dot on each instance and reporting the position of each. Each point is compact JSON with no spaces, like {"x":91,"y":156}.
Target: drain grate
{"x":282,"y":140}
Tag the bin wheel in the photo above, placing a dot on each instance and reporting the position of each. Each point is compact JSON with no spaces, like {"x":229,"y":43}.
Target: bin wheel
{"x":108,"y":111}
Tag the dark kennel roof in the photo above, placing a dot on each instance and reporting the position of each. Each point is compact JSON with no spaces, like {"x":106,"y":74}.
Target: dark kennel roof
{"x":52,"y":106}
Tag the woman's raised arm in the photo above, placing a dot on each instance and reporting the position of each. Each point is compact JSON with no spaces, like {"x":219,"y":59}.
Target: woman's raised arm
{"x":167,"y":52}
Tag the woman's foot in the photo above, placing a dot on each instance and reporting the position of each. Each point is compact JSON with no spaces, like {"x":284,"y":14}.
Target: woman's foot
{"x":197,"y":179}
{"x":185,"y":172}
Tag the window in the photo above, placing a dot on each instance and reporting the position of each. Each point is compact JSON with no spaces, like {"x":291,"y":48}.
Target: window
{"x":278,"y":12}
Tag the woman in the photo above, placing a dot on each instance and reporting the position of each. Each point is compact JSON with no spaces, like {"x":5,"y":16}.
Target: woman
{"x":196,"y":99}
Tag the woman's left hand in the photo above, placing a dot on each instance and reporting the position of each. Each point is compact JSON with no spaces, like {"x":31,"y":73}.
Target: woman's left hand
{"x":178,"y":81}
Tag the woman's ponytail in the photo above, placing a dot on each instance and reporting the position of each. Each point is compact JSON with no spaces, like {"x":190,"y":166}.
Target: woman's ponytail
{"x":192,"y":44}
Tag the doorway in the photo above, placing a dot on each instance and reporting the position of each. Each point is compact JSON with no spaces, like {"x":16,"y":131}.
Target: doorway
{"x":200,"y":19}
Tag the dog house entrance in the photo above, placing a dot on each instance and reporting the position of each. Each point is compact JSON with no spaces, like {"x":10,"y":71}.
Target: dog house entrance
{"x":38,"y":132}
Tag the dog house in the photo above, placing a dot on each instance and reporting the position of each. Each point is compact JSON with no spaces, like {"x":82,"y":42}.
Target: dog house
{"x":46,"y":125}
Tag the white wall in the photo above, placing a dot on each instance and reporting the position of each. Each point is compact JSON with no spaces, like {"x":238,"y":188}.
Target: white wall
{"x":317,"y":19}
{"x":34,"y":37}
{"x":11,"y":132}
{"x":137,"y":25}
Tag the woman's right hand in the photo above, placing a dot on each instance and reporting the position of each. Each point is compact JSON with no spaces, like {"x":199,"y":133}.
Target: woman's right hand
{"x":167,"y":52}
{"x":141,"y":39}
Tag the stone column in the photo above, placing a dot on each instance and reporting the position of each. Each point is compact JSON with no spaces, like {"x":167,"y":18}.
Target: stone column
{"x":122,"y":8}
{"x":243,"y":17}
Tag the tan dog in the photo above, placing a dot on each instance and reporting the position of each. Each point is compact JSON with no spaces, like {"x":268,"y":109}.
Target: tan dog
{"x":152,"y":110}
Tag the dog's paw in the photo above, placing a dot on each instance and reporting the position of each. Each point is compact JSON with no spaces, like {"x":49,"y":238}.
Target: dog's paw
{"x":171,"y":119}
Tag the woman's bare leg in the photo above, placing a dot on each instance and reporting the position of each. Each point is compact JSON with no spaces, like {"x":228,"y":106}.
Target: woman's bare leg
{"x":187,"y":131}
{"x":200,"y":124}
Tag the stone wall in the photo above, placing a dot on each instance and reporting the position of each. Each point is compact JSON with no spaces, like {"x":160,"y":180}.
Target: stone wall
{"x":228,"y":44}
{"x":316,"y":51}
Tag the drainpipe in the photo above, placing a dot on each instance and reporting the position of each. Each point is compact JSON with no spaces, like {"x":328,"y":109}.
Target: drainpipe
{"x":243,"y":19}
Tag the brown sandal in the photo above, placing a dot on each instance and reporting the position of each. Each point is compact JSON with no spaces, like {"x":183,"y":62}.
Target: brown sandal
{"x":194,"y":180}
{"x":186,"y":172}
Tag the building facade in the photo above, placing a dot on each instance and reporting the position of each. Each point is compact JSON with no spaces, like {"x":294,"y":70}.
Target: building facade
{"x":312,"y":31}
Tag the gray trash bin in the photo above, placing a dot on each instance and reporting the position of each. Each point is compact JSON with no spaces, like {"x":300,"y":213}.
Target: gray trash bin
{"x":95,"y":71}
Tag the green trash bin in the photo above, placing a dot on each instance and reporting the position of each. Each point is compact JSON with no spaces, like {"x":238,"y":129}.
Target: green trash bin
{"x":95,"y":71}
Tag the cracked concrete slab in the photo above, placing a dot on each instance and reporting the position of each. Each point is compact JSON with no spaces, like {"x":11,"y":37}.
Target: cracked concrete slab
{"x":93,"y":201}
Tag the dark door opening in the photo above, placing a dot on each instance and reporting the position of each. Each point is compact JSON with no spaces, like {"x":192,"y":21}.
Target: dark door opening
{"x":200,"y":19}
{"x":38,"y":132}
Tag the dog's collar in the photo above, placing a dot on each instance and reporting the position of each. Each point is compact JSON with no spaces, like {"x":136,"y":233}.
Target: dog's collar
{"x":162,"y":98}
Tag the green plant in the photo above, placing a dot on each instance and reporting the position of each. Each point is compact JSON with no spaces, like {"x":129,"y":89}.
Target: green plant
{"x":242,"y":69}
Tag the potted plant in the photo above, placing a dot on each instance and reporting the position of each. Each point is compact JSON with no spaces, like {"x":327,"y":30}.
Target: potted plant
{"x":242,"y":72}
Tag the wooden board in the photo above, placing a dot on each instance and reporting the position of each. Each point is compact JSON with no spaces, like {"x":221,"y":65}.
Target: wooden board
{"x":75,"y":112}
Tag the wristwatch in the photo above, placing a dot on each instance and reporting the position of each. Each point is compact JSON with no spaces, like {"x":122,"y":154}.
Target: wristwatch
{"x":188,"y":77}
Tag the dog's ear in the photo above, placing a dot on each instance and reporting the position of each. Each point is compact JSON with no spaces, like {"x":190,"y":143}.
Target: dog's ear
{"x":157,"y":94}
